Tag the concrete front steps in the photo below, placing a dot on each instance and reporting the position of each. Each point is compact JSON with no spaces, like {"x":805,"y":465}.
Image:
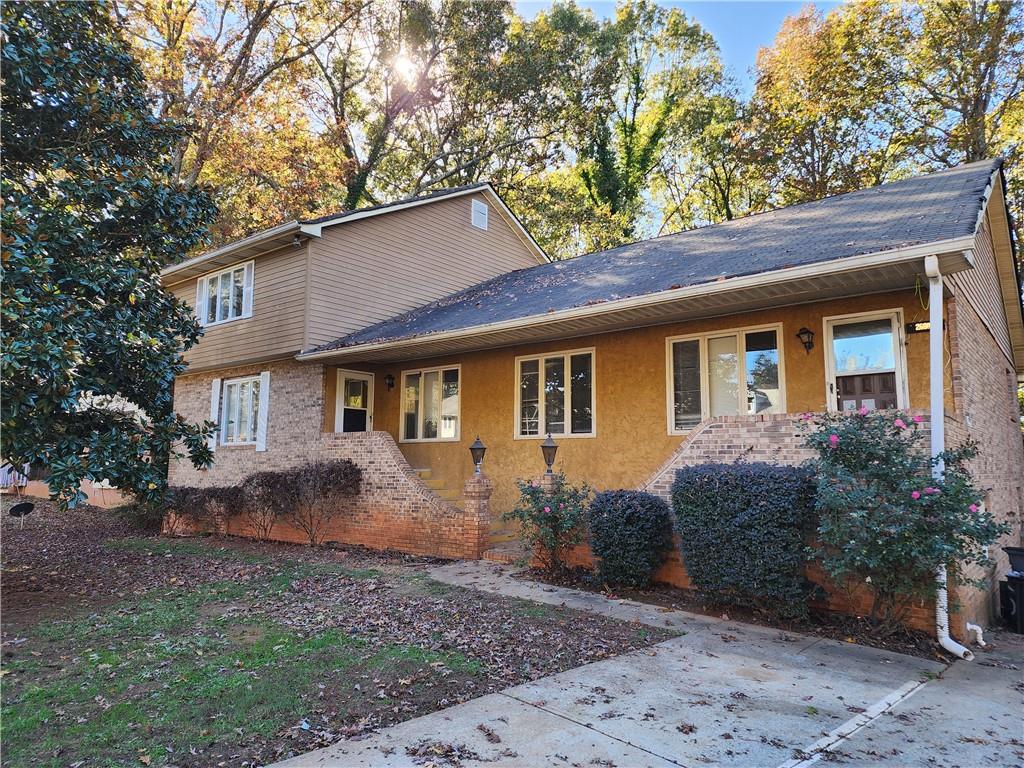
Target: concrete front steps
{"x":512,"y":552}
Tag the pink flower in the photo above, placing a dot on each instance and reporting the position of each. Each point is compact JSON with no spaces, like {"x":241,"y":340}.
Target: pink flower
{"x":561,"y":506}
{"x":930,"y":490}
{"x":915,"y":495}
{"x":833,"y":440}
{"x":806,"y":416}
{"x":973,"y":507}
{"x":547,"y":509}
{"x":863,"y":410}
{"x":918,"y":418}
{"x":900,"y":423}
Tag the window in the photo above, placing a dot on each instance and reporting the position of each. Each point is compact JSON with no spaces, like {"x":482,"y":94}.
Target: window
{"x":556,"y":394}
{"x":430,"y":404}
{"x":479,"y":218}
{"x":723,"y":374}
{"x":225,"y":295}
{"x":864,"y":356}
{"x":240,"y":411}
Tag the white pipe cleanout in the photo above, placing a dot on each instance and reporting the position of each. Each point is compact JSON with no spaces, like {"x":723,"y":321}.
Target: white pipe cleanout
{"x":976,"y":634}
{"x":938,"y":440}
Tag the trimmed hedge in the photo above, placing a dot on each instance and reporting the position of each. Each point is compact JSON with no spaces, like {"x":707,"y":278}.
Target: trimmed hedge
{"x":630,"y":534}
{"x":743,"y":529}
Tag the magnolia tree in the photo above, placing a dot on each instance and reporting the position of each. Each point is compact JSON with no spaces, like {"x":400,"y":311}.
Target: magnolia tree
{"x":885,"y":520}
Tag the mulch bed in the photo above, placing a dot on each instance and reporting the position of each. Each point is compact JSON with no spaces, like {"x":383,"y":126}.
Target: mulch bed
{"x":123,"y":647}
{"x":835,"y":626}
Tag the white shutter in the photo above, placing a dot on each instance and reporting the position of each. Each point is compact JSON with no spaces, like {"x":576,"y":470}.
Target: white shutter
{"x":261,"y":422}
{"x":201,"y":298}
{"x":215,"y":411}
{"x":247,"y":292}
{"x":479,"y":214}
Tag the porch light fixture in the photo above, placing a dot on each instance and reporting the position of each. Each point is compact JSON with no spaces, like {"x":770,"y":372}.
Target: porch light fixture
{"x":389,"y":382}
{"x":806,"y":336}
{"x":549,"y":449}
{"x":477,"y":451}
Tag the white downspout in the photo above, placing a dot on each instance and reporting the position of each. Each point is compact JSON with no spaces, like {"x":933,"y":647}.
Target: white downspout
{"x":938,"y":439}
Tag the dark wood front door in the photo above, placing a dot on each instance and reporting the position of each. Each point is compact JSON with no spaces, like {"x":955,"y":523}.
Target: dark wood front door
{"x":874,"y":391}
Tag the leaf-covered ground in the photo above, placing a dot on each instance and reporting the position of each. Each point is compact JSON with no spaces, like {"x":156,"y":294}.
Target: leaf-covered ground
{"x":121,"y":648}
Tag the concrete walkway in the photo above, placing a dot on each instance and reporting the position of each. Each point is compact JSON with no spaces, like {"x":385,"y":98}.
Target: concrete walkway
{"x":723,"y":693}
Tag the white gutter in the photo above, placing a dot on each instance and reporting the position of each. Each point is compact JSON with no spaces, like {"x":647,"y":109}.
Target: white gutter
{"x":963,"y":245}
{"x":246,"y":242}
{"x":938,"y":440}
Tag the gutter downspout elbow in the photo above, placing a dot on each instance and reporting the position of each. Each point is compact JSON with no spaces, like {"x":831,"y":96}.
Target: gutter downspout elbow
{"x":938,"y":441}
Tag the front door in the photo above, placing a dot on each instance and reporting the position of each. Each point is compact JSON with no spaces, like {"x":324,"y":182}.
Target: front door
{"x":865,"y":361}
{"x":354,"y":409}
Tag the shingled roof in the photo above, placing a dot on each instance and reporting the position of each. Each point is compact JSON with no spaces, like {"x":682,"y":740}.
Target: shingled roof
{"x":916,"y":211}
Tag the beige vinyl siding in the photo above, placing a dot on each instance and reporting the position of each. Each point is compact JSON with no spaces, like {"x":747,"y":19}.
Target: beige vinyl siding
{"x":981,"y":288}
{"x":369,"y":270}
{"x":277,"y":325}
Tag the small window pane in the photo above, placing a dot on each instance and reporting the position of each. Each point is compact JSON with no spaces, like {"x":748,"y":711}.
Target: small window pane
{"x":529,"y":397}
{"x":430,"y":402}
{"x":211,"y":300}
{"x":582,"y":386}
{"x":863,"y":347}
{"x":450,"y":404}
{"x":554,"y":395}
{"x":723,"y":376}
{"x":410,"y":406}
{"x":356,"y":393}
{"x":761,"y":364}
{"x":686,"y":384}
{"x":255,"y":420}
{"x":224,"y":297}
{"x":237,"y":292}
{"x":230,"y":413}
{"x":244,"y":405}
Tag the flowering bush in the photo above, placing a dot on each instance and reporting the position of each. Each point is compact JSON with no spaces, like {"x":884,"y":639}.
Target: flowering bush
{"x":551,"y":522}
{"x":885,"y":521}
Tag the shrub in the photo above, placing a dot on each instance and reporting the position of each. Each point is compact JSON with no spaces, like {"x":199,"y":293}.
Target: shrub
{"x":266,"y":496}
{"x":630,"y":532}
{"x":886,"y":522}
{"x":210,"y":507}
{"x":320,"y":491}
{"x":742,"y":529}
{"x":551,"y":522}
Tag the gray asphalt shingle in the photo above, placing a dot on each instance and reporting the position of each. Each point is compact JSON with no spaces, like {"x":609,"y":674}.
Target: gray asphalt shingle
{"x":914,"y":211}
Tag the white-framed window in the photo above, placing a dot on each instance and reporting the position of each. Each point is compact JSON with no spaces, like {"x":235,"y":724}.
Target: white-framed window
{"x":226,"y":295}
{"x":479,"y":214}
{"x":724,"y":373}
{"x":431,"y":404}
{"x":555,"y":394}
{"x":865,"y":364}
{"x":240,"y":411}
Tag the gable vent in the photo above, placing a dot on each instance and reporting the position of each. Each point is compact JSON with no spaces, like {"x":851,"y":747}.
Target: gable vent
{"x":479,"y":219}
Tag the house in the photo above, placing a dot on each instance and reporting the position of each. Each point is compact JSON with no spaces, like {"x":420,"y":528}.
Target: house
{"x":396,"y":335}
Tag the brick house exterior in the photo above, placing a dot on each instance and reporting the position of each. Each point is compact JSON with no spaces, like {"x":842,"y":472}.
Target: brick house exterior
{"x":434,"y":363}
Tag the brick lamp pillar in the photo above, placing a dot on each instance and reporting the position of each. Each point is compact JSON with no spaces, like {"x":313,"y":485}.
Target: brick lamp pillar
{"x":477,"y":507}
{"x":549,"y":482}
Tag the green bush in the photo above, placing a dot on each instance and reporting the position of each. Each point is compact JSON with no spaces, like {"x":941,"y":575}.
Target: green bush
{"x":630,"y":533}
{"x":742,"y":530}
{"x":552,"y":522}
{"x":886,"y":522}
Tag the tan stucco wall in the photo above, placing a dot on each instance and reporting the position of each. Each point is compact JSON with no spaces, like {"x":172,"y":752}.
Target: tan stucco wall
{"x":630,"y":397}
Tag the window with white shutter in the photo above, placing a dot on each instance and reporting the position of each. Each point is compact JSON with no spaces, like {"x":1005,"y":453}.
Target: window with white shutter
{"x":226,"y":295}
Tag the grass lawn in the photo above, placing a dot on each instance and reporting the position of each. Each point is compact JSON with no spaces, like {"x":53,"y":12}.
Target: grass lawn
{"x":125,"y":649}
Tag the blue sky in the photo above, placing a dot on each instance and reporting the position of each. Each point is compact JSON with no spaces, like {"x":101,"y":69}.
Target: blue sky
{"x":741,"y":27}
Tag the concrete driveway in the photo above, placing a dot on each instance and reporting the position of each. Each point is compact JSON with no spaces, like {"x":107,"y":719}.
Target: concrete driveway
{"x":723,"y":693}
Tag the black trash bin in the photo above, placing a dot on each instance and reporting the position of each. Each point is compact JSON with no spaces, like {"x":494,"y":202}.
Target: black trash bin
{"x":1011,"y":600}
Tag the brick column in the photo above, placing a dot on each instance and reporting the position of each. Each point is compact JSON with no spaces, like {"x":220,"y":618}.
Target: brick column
{"x":549,"y":481}
{"x":477,"y":495}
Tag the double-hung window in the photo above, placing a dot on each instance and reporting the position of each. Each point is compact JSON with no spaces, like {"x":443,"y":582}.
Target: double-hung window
{"x":240,"y":411}
{"x":225,"y":295}
{"x":722,"y":374}
{"x":555,"y":394}
{"x":430,"y":404}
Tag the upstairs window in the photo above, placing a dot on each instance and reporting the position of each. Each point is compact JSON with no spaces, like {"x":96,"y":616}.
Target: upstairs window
{"x":225,"y":295}
{"x":479,"y":214}
{"x":556,"y":394}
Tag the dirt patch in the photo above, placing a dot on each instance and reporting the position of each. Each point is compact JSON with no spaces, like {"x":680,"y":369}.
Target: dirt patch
{"x":835,"y":626}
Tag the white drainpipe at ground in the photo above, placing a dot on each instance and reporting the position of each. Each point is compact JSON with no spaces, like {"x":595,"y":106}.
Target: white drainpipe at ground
{"x":938,"y":438}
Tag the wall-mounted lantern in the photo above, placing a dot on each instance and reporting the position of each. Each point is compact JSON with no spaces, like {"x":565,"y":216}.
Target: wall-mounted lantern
{"x":549,"y":448}
{"x":389,"y":382}
{"x":477,"y":451}
{"x":806,"y":336}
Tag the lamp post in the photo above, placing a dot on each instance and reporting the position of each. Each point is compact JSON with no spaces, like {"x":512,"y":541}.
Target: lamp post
{"x":477,"y":451}
{"x":549,"y":448}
